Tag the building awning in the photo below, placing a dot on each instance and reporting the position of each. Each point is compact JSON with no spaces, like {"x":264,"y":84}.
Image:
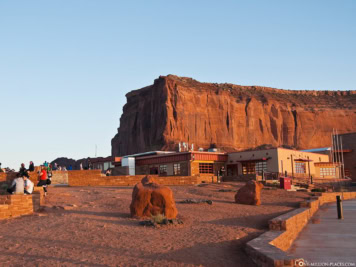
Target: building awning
{"x":342,"y":150}
{"x":253,"y":160}
{"x":327,"y":164}
{"x":303,"y":160}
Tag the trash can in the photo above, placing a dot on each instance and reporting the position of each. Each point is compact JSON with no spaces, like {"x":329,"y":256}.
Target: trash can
{"x":285,"y":183}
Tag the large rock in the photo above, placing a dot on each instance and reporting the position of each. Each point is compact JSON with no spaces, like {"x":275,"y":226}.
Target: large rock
{"x":249,"y":194}
{"x":149,"y":198}
{"x":232,"y":117}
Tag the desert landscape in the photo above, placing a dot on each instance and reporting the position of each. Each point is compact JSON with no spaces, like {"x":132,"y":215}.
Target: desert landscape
{"x":91,"y":226}
{"x":178,"y":133}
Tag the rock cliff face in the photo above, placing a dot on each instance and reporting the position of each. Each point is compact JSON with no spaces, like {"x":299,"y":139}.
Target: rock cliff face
{"x":231,"y":117}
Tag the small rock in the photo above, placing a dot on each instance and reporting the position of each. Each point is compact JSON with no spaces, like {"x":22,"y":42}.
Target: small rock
{"x":226,"y":190}
{"x":201,"y":185}
{"x":70,"y":207}
{"x":58,"y":207}
{"x":40,"y":214}
{"x":197,"y":201}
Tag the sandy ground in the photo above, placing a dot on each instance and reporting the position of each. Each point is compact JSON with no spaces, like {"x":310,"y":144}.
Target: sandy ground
{"x":95,"y":229}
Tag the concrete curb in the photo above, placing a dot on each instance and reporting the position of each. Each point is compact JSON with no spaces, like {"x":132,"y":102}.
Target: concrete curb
{"x":269,"y":249}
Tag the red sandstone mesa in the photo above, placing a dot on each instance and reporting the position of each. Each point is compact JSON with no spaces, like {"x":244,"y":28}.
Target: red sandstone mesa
{"x":149,"y":198}
{"x":232,"y":117}
{"x":250,"y":194}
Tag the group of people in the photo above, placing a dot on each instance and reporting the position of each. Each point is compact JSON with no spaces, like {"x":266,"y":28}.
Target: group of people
{"x":31,"y":168}
{"x":22,"y":183}
{"x":6,"y":170}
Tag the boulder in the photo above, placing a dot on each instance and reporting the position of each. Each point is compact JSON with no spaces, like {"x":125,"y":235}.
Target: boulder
{"x":150,"y":198}
{"x":249,"y":194}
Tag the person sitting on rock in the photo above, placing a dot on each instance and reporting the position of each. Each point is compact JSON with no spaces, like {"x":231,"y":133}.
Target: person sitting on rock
{"x":17,"y":186}
{"x":31,"y":168}
{"x":28,"y":185}
{"x":22,"y":170}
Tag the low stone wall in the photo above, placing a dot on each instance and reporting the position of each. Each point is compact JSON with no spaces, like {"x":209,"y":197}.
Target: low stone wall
{"x":2,"y":177}
{"x":16,"y":205}
{"x":269,"y":248}
{"x":324,"y":182}
{"x":8,"y":177}
{"x":95,"y":178}
{"x":60,"y":177}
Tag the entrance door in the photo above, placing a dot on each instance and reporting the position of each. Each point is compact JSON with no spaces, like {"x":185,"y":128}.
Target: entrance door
{"x":231,"y":170}
{"x":154,"y":170}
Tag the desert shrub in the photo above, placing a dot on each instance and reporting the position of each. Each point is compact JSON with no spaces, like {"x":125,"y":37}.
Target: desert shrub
{"x":159,"y":218}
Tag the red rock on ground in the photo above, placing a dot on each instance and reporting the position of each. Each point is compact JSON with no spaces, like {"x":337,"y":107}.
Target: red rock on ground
{"x":149,"y":198}
{"x":250,"y":194}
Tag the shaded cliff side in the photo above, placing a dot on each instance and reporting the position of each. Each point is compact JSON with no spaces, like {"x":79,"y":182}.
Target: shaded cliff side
{"x":232,"y":117}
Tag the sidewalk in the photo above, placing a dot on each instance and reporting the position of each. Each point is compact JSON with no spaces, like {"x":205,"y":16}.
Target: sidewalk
{"x":330,"y":240}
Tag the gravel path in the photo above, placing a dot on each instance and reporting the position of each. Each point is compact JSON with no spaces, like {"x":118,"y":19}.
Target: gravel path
{"x":91,"y":226}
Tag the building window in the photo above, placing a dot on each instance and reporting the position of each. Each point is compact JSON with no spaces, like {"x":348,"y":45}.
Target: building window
{"x":254,"y":167}
{"x":176,"y":169}
{"x":206,"y":168}
{"x":163,"y":169}
{"x":327,"y":172}
{"x":300,"y":167}
{"x":153,"y":170}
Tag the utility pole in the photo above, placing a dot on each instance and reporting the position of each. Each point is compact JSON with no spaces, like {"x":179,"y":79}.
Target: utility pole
{"x":338,"y":151}
{"x":342,"y":159}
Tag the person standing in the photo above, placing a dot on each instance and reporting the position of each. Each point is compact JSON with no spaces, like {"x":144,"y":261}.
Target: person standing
{"x":49,"y":174}
{"x":89,"y":164}
{"x":43,"y":179}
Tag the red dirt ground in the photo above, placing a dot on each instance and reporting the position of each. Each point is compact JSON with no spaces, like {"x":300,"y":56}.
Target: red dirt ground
{"x":95,"y":229}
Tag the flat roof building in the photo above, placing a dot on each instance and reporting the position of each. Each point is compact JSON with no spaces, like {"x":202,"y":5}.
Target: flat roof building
{"x":280,"y":160}
{"x":181,"y":163}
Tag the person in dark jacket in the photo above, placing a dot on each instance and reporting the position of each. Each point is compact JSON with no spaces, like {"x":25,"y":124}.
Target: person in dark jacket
{"x":22,"y":170}
{"x":31,"y":168}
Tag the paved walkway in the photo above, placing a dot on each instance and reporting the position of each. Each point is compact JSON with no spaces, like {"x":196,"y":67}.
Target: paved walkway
{"x":330,"y":240}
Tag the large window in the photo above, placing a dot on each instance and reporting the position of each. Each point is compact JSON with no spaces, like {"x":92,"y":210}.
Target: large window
{"x":176,"y":169}
{"x":300,"y":167}
{"x":163,"y":169}
{"x":327,"y":172}
{"x":254,"y":167}
{"x":206,"y":168}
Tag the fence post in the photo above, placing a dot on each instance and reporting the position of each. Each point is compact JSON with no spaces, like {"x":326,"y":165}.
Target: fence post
{"x":340,"y":214}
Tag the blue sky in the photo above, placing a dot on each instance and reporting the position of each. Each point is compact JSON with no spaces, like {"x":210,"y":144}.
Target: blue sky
{"x":65,"y":66}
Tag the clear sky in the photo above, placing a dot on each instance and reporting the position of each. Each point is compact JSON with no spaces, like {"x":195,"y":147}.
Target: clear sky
{"x":65,"y":66}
